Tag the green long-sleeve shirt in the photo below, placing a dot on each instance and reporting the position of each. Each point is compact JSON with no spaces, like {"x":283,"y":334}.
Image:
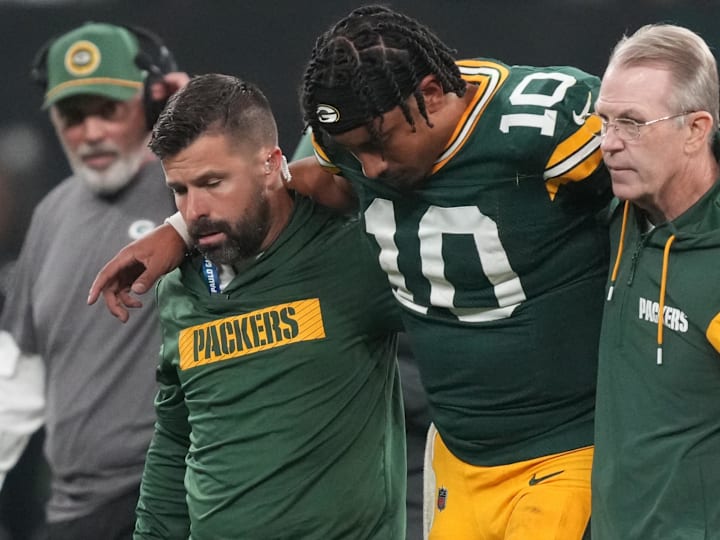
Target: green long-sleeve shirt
{"x":280,"y":413}
{"x":656,"y":473}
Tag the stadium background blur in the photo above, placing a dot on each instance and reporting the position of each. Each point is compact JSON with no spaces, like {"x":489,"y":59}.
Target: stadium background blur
{"x":268,"y":43}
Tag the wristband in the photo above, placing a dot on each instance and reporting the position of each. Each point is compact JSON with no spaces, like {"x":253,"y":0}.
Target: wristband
{"x":177,"y":222}
{"x":285,"y":172}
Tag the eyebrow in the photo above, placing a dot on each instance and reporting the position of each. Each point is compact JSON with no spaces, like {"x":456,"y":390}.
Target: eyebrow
{"x":198,"y":180}
{"x":624,"y":113}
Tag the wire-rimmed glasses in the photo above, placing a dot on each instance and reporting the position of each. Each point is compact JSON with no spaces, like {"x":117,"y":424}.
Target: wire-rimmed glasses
{"x":627,"y":129}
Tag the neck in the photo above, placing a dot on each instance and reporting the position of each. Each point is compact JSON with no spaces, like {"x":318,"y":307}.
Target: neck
{"x":456,"y":107}
{"x":462,"y":103}
{"x":281,"y":208}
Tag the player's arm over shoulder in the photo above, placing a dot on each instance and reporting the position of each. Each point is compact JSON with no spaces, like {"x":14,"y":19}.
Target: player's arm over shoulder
{"x":314,"y":175}
{"x":319,"y":183}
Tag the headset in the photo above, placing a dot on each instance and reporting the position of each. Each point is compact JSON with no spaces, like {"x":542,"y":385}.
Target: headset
{"x":153,"y":57}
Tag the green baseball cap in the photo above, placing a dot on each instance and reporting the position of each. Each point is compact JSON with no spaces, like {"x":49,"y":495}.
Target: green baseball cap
{"x":96,"y":59}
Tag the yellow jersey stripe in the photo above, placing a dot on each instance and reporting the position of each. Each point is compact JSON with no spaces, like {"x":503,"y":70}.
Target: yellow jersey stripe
{"x":574,"y":159}
{"x":581,"y":138}
{"x":713,"y":332}
{"x":585,"y":164}
{"x":489,"y":77}
{"x":322,"y":157}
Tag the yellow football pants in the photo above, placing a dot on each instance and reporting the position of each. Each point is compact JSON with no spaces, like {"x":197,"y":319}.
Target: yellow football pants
{"x":547,"y":498}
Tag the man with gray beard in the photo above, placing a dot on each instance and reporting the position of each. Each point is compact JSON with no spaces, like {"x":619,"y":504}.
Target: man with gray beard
{"x":61,"y":364}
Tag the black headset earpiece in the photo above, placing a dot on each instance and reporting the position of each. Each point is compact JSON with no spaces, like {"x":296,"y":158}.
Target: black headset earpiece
{"x":38,"y":71}
{"x":153,"y":57}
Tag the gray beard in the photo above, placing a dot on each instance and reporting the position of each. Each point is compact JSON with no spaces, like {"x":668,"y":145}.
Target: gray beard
{"x":112,"y":179}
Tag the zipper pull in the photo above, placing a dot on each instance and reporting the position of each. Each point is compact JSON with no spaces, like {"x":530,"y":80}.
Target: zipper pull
{"x":636,"y":256}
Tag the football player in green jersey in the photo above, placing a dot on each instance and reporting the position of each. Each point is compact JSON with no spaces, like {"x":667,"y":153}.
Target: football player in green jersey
{"x":656,"y":472}
{"x":479,"y":184}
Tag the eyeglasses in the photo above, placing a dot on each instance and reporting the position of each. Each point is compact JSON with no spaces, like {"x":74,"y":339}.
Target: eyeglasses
{"x":627,"y":129}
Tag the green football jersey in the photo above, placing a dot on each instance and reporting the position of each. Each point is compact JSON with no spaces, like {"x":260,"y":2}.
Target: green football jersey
{"x":279,"y":412}
{"x":499,"y":263}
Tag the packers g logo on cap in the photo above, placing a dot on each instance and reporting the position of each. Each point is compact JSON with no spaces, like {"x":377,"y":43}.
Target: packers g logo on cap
{"x":82,"y":58}
{"x":327,"y":114}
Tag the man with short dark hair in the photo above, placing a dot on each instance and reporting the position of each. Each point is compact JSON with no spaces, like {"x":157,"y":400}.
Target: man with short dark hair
{"x":279,"y":413}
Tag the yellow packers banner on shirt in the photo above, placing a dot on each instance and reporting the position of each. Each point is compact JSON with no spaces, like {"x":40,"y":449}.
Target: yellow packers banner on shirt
{"x":248,"y":333}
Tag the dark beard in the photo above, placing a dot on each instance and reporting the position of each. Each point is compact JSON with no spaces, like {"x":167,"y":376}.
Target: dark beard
{"x":244,"y":238}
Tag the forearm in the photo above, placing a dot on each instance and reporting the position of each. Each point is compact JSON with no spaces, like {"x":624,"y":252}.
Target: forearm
{"x":162,"y":511}
{"x":311,"y":180}
{"x":177,"y":222}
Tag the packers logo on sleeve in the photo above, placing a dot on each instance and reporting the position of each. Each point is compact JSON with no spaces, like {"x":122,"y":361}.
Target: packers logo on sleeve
{"x":240,"y":335}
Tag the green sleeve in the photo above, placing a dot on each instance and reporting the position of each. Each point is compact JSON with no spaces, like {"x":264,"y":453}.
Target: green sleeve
{"x":162,"y":511}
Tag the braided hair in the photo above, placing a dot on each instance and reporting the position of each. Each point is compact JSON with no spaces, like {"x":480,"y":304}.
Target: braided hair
{"x":369,"y":63}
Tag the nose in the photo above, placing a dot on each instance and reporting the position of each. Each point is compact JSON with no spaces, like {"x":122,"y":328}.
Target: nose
{"x":94,"y":128}
{"x":193,"y":205}
{"x":373,"y":164}
{"x":611,"y":142}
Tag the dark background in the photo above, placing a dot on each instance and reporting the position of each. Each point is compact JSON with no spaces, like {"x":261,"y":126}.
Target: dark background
{"x":268,"y":42}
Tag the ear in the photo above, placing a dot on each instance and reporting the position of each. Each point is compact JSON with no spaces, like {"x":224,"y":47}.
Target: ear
{"x":432,"y":92}
{"x":273,"y":167}
{"x":700,"y":124}
{"x":272,"y":160}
